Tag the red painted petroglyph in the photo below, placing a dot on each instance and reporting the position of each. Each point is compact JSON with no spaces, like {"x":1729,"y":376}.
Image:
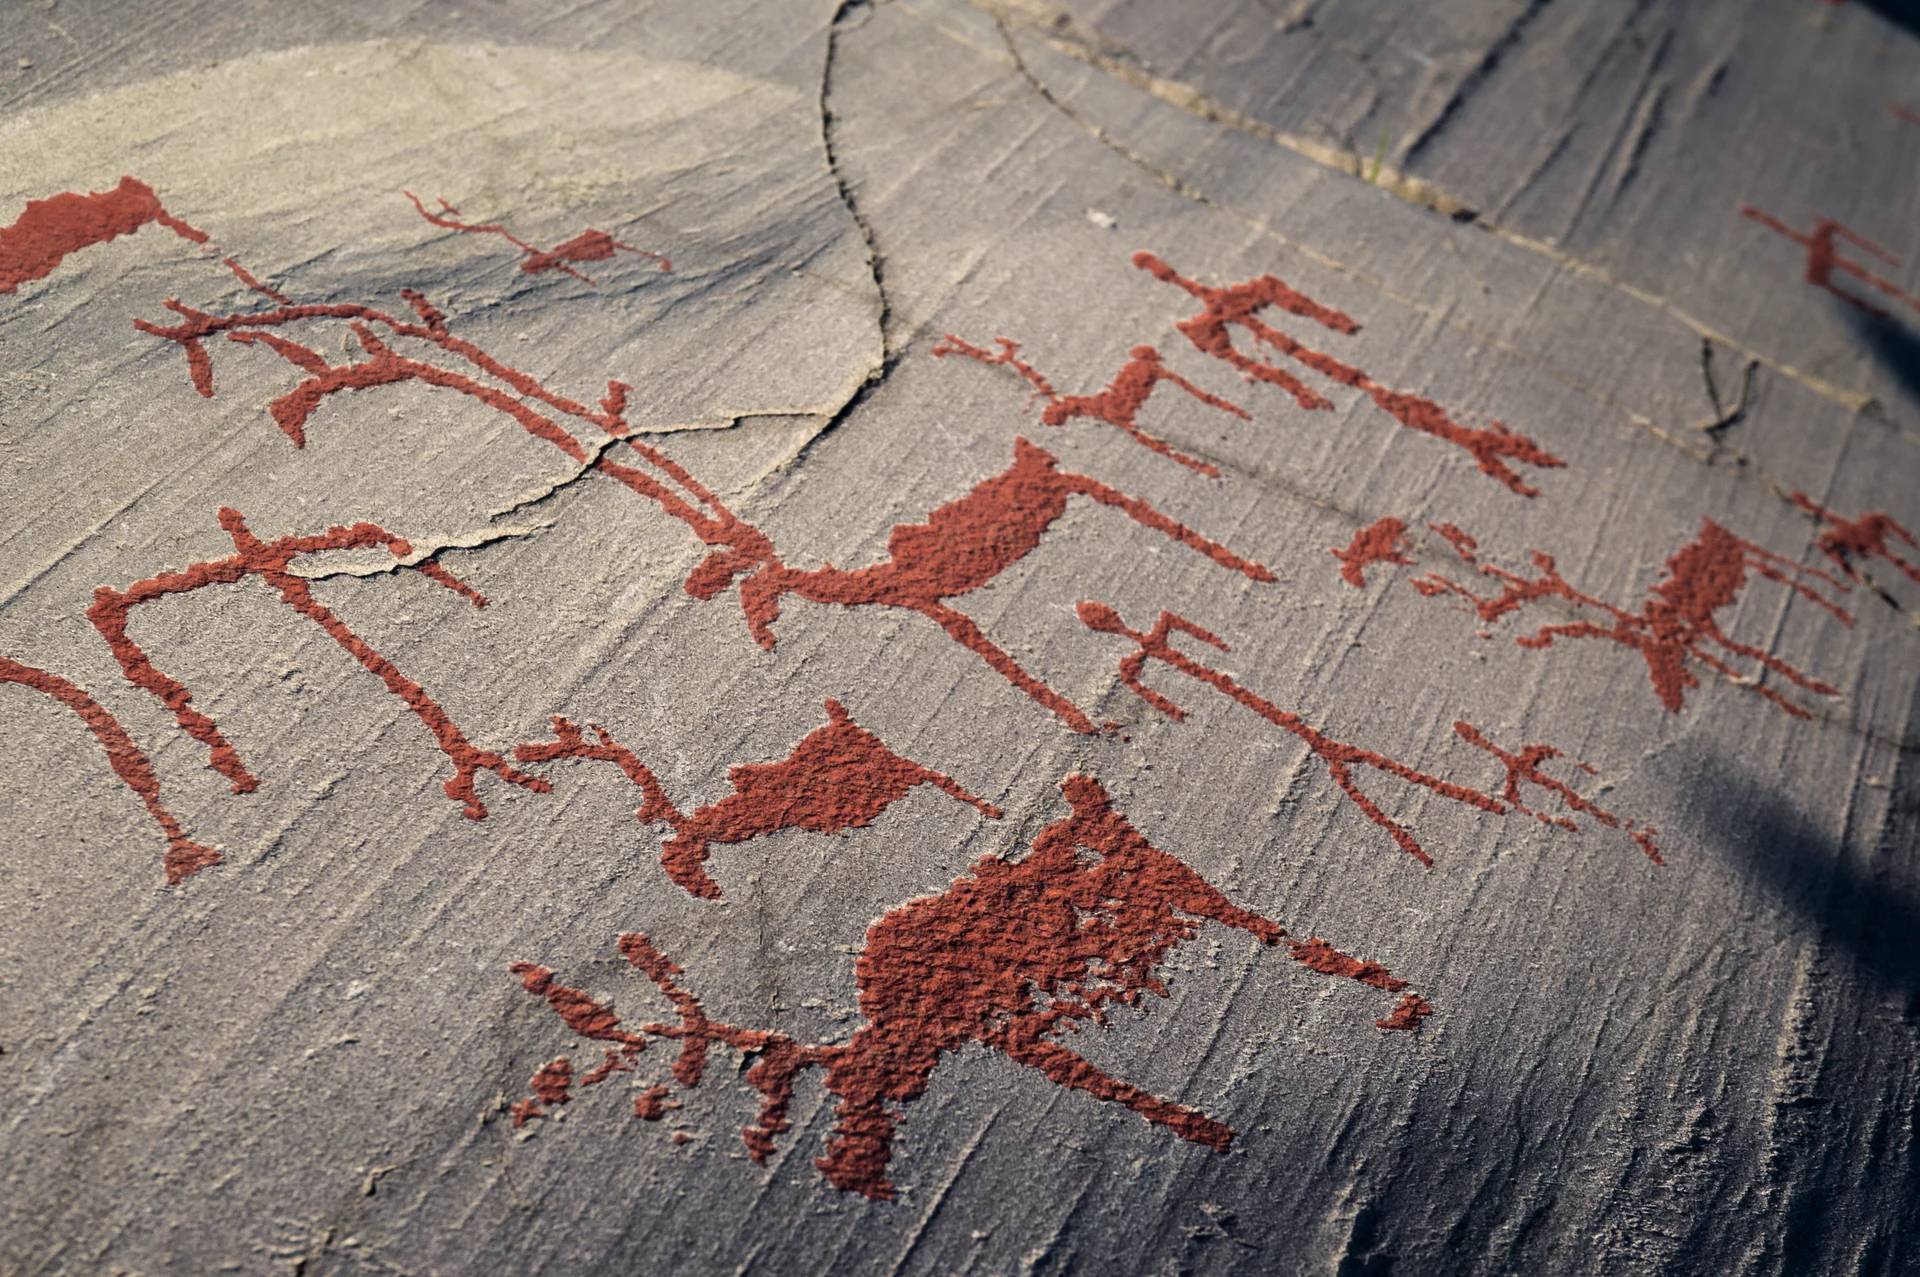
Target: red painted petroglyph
{"x":1906,"y":113}
{"x":1847,"y":540}
{"x":963,"y":546}
{"x":1324,"y":958}
{"x":1340,"y":757}
{"x":838,"y":777}
{"x":184,"y":856}
{"x":245,"y":276}
{"x":1463,"y":545}
{"x":270,"y":561}
{"x":1384,"y":541}
{"x":1011,"y":956}
{"x":1823,"y":259}
{"x":49,"y":229}
{"x":1241,"y":304}
{"x":551,"y":1084}
{"x":1677,"y":623}
{"x":588,"y":246}
{"x":1118,"y":404}
{"x":1524,"y":767}
{"x":652,"y":1104}
{"x":1408,"y":1014}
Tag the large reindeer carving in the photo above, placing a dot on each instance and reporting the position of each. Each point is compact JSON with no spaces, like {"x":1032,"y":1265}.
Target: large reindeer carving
{"x":1012,"y":955}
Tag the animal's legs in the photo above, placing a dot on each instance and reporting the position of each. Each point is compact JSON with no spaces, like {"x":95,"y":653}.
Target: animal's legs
{"x":1071,"y":1070}
{"x":962,"y":629}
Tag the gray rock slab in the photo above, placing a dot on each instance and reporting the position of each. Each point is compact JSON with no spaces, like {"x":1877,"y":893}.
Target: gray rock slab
{"x":315,"y":1056}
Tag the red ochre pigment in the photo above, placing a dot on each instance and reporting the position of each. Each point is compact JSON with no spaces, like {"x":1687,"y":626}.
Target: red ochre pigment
{"x":588,"y":246}
{"x":245,"y":276}
{"x":1524,"y":767}
{"x":47,"y":230}
{"x":1906,"y":113}
{"x":1676,"y":624}
{"x":1384,"y":541}
{"x":1241,"y":304}
{"x":838,"y":777}
{"x":1010,"y":956}
{"x":1118,"y":404}
{"x":270,"y":561}
{"x":1463,"y":545}
{"x":1846,"y":540}
{"x":1340,"y":757}
{"x":963,"y":545}
{"x":184,"y":856}
{"x":1823,"y":259}
{"x":1327,"y":960}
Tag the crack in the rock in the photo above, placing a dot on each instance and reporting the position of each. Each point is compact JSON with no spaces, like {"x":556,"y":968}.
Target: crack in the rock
{"x":421,"y":554}
{"x":479,"y":540}
{"x":1475,"y":80}
{"x":876,"y":264}
{"x":876,"y":261}
{"x":1723,"y":416}
{"x":595,"y":455}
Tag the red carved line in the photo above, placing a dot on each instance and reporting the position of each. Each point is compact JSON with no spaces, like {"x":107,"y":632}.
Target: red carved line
{"x":1524,"y":767}
{"x":1904,"y":112}
{"x":1384,"y":541}
{"x":965,"y":544}
{"x":611,"y":1064}
{"x":652,"y":1104}
{"x":1407,"y":1016}
{"x":184,"y":856}
{"x":1118,"y":404}
{"x":1677,"y":621}
{"x":680,"y":496}
{"x":588,"y":246}
{"x":1823,"y":258}
{"x":1463,"y":545}
{"x":1865,"y":537}
{"x":838,"y":777}
{"x":1011,"y":956}
{"x":245,"y":276}
{"x":47,"y":230}
{"x":1324,"y":958}
{"x":1241,"y":304}
{"x":271,"y":561}
{"x":1340,"y":757}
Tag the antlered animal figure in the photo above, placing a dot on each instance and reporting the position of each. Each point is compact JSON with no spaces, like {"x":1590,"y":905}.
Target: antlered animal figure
{"x":1012,"y":955}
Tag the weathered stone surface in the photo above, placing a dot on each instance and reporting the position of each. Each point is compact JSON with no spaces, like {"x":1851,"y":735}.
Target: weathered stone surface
{"x":1682,"y":1041}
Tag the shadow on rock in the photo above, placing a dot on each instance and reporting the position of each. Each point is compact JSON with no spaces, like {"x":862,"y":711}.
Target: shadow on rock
{"x":1902,"y":13}
{"x":1863,"y":905}
{"x":1894,"y":346}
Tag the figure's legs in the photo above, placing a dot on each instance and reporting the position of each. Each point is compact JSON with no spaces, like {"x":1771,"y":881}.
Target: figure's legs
{"x":1070,"y":1070}
{"x":184,"y":856}
{"x":1142,"y":513}
{"x":962,"y":629}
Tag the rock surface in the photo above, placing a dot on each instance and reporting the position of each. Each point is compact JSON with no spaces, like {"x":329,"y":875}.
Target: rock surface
{"x":1248,"y":637}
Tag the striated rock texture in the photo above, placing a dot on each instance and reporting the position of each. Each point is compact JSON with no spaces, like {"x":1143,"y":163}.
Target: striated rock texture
{"x":1248,"y":636}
